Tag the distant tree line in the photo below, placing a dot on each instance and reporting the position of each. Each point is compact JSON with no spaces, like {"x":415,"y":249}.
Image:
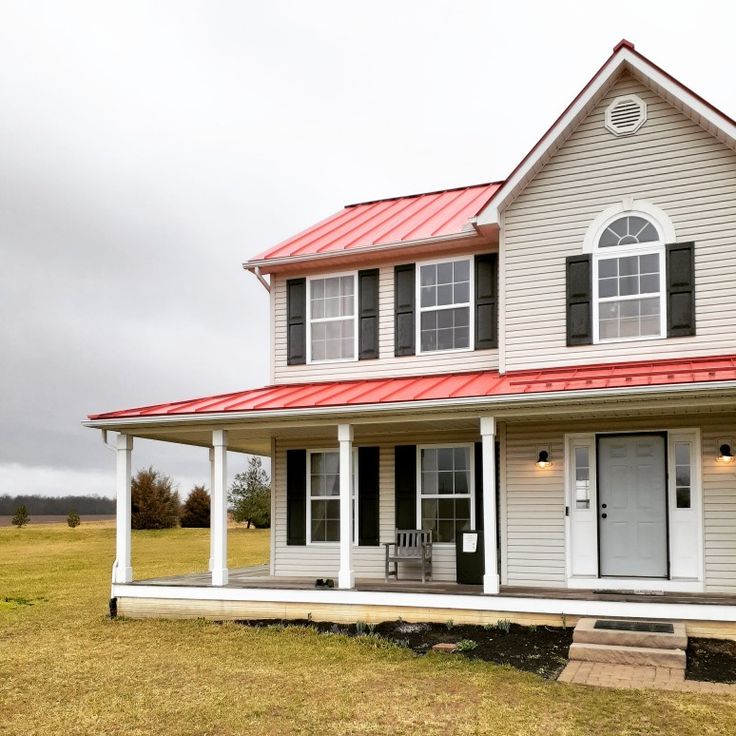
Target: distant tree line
{"x":61,"y":505}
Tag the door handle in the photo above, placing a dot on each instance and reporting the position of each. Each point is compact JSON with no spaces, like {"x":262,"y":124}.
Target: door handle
{"x":604,"y":516}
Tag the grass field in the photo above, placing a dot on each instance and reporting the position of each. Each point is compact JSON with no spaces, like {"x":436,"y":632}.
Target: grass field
{"x":65,"y":668}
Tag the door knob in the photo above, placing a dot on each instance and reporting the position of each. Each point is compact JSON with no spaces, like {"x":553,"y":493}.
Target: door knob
{"x":604,"y":516}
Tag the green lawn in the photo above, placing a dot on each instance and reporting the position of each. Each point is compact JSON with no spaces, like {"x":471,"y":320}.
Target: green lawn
{"x":65,"y":668}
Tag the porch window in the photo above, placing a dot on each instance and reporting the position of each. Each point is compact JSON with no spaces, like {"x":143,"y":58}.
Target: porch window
{"x":683,"y":480}
{"x":323,"y":496}
{"x":332,"y":316}
{"x":582,"y":477}
{"x":445,"y":483}
{"x":629,"y":280}
{"x":444,"y":306}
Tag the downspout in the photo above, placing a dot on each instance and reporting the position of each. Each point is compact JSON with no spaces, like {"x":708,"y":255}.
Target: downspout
{"x":257,"y":271}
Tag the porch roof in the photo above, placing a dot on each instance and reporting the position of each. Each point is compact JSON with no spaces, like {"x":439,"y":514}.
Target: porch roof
{"x":452,"y":386}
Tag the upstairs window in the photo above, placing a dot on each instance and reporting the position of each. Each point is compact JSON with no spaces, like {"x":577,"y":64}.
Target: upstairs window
{"x":444,"y":306}
{"x":332,"y":318}
{"x":628,"y":280}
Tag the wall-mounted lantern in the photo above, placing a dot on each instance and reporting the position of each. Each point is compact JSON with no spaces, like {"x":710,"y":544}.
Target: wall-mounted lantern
{"x":725,"y":455}
{"x":543,"y":460}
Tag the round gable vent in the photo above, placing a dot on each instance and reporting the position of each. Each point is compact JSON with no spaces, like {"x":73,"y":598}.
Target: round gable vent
{"x":625,"y":115}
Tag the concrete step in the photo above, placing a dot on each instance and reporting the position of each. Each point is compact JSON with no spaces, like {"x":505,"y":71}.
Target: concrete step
{"x":586,"y":632}
{"x":672,"y":658}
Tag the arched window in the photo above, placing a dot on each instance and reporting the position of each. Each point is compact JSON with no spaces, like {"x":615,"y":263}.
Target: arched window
{"x":628,"y":279}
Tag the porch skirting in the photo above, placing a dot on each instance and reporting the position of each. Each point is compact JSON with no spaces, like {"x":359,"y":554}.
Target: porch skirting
{"x":711,"y":619}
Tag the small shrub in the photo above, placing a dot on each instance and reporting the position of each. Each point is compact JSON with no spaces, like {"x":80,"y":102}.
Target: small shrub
{"x":449,"y":624}
{"x":372,"y":629}
{"x":489,"y":627}
{"x":20,"y":517}
{"x":466,"y":645}
{"x":73,"y":520}
{"x":504,"y":625}
{"x":533,"y":628}
{"x":360,"y":628}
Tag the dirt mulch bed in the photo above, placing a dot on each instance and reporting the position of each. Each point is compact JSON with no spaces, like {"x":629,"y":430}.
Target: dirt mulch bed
{"x":541,"y":650}
{"x":713,"y":660}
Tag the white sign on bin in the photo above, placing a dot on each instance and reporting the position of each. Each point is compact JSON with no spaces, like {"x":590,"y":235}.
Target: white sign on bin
{"x":470,"y":542}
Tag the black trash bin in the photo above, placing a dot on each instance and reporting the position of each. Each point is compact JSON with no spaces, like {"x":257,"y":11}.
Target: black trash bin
{"x":469,"y":557}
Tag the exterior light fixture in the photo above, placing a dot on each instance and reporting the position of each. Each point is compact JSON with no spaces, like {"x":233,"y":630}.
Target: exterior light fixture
{"x":543,"y":460}
{"x":725,"y":454}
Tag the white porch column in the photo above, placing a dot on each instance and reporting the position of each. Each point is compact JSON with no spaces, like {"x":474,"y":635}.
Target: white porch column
{"x":488,"y":440}
{"x":346,"y":576}
{"x":212,"y":505}
{"x":122,"y":570}
{"x":218,"y":501}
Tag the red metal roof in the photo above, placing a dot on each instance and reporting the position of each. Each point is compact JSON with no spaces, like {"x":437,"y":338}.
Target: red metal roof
{"x":447,"y":386}
{"x":388,"y":221}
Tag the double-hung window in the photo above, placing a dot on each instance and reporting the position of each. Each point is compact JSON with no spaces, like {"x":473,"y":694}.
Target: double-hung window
{"x":323,"y":495}
{"x":332,"y":318}
{"x":445,"y":481}
{"x":444,"y":305}
{"x":629,"y":281}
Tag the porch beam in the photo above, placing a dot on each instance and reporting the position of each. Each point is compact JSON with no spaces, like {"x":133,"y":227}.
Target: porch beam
{"x":346,"y":574}
{"x":488,"y":444}
{"x":122,"y":570}
{"x":218,"y":506}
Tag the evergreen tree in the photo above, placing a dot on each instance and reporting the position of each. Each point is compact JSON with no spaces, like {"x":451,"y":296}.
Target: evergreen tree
{"x":154,"y":501}
{"x":196,"y":511}
{"x":250,"y":495}
{"x":20,"y":517}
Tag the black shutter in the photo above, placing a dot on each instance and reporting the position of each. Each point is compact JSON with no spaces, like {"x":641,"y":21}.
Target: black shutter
{"x":296,"y":321}
{"x":296,"y":497}
{"x":579,"y":300}
{"x":368,"y":314}
{"x":404,"y":290}
{"x":486,"y":301}
{"x":680,"y":289}
{"x":368,"y":484}
{"x":405,"y":477}
{"x":478,"y":485}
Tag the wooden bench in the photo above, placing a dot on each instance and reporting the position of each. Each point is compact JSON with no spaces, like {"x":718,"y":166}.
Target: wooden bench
{"x":411,"y":545}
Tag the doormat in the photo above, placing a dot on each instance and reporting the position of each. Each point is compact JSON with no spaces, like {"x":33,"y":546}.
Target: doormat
{"x":645,"y":626}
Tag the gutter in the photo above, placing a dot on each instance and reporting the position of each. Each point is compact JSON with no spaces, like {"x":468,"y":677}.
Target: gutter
{"x":411,"y":406}
{"x":384,"y":247}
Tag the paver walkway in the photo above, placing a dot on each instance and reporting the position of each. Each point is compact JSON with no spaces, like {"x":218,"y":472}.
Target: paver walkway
{"x":601,"y":674}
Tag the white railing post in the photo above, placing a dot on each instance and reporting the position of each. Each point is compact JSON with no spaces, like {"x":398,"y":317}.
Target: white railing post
{"x":218,"y":500}
{"x":122,"y":570}
{"x":490,"y":537}
{"x":346,"y":576}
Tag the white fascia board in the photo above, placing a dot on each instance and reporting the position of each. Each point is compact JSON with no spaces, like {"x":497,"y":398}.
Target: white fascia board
{"x":644,"y":68}
{"x":505,"y":401}
{"x":500,"y":603}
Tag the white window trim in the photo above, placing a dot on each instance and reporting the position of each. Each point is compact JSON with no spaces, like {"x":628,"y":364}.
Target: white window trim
{"x":419,"y":309}
{"x":310,"y":498}
{"x":471,"y":487}
{"x":319,"y":277}
{"x":621,"y":251}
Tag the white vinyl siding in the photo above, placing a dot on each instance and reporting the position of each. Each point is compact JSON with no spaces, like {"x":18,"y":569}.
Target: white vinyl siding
{"x":672,"y":163}
{"x":387,"y":364}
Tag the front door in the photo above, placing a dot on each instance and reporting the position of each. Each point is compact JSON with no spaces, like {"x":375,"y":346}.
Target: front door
{"x":632,"y":506}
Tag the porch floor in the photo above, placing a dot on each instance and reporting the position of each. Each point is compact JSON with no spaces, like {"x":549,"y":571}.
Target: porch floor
{"x":258,"y":577}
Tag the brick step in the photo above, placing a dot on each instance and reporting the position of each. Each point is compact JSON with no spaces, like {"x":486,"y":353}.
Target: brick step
{"x":587,"y":633}
{"x":673,"y":658}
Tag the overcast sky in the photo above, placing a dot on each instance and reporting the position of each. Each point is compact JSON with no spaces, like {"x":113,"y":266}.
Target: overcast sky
{"x":148,"y":148}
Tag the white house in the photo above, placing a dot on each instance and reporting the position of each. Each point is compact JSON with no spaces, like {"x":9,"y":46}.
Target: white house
{"x":550,"y":359}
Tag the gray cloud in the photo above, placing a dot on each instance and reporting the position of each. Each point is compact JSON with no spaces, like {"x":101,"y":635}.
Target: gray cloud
{"x":147,"y":149}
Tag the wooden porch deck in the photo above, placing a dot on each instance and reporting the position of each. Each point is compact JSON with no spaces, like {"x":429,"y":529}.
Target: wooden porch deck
{"x":258,"y":577}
